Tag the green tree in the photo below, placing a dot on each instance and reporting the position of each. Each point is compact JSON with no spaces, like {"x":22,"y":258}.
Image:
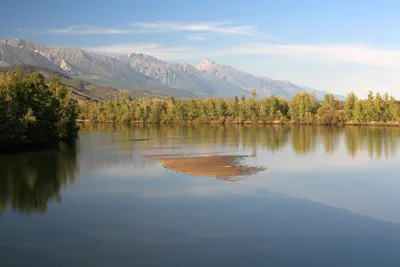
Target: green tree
{"x":34,"y":113}
{"x":349,"y":106}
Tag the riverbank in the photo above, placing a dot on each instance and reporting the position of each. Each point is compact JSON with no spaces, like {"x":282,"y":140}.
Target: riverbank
{"x":4,"y":150}
{"x":386,"y":124}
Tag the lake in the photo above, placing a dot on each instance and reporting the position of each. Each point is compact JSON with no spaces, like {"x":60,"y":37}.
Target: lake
{"x":249,"y":196}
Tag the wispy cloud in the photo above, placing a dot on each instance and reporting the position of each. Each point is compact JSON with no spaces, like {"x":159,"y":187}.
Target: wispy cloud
{"x":124,"y":48}
{"x":198,"y":37}
{"x":356,"y":54}
{"x":88,"y":30}
{"x":340,"y":53}
{"x":160,"y":27}
{"x":155,"y":50}
{"x":225,"y":27}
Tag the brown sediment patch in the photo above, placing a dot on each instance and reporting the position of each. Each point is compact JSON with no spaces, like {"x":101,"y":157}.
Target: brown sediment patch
{"x":174,"y":155}
{"x":158,"y":148}
{"x":150,"y":139}
{"x":221,"y":167}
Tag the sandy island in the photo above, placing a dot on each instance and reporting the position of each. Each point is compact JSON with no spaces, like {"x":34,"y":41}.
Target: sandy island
{"x":221,"y":167}
{"x":159,"y":148}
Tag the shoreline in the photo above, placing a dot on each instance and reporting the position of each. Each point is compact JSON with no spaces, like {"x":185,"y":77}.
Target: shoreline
{"x":371,"y":124}
{"x":35,"y":147}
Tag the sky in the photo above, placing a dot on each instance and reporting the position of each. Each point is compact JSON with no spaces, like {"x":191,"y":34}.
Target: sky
{"x":337,"y":46}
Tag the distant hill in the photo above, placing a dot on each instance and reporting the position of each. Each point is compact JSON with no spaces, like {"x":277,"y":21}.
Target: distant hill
{"x":264,"y":86}
{"x":81,"y":90}
{"x":144,"y":73}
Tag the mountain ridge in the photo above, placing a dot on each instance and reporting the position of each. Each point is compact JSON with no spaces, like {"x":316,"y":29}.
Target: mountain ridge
{"x":181,"y":75}
{"x":265,"y":86}
{"x":91,"y":67}
{"x":141,"y":71}
{"x":81,"y":90}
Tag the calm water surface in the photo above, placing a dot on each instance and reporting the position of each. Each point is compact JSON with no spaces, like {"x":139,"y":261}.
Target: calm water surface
{"x":329,"y":197}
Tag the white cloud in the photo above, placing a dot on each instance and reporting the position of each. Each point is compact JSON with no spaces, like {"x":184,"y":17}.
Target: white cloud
{"x":198,"y":37}
{"x":356,"y":54}
{"x":160,"y":27}
{"x":155,"y":50}
{"x":215,"y":27}
{"x":337,"y":53}
{"x":124,"y":48}
{"x":87,"y":30}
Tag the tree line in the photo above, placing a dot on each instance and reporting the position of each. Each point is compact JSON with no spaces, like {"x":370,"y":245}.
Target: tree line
{"x":34,"y":113}
{"x":303,"y":108}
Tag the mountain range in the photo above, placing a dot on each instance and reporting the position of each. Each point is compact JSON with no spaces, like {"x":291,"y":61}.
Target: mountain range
{"x":81,"y":90}
{"x":145,"y":73}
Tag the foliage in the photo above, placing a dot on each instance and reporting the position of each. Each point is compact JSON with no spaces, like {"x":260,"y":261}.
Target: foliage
{"x":33,"y":113}
{"x":304,"y":108}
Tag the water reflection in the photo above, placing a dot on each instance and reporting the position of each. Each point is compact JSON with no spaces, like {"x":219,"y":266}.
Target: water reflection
{"x":321,"y":188}
{"x":304,"y":139}
{"x":336,"y":166}
{"x":29,"y":181}
{"x":379,"y":142}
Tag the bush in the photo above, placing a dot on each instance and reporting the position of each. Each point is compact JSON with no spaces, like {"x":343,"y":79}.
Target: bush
{"x":34,"y":114}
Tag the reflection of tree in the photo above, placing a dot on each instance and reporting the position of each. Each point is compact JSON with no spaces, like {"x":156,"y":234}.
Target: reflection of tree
{"x":331,"y":137}
{"x":377,"y":141}
{"x":276,"y":138}
{"x":351,"y":139}
{"x":29,"y":181}
{"x":304,"y":139}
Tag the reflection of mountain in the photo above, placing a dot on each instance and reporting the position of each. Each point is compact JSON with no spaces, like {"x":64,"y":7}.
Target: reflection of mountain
{"x":29,"y":181}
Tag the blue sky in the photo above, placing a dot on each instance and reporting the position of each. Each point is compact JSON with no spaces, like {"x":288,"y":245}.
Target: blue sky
{"x":338,"y":46}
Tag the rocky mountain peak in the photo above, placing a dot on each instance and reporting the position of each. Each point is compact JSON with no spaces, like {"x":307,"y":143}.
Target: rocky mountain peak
{"x":14,"y":42}
{"x":139,"y":56}
{"x":207,"y":61}
{"x":187,"y":67}
{"x":205,"y":64}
